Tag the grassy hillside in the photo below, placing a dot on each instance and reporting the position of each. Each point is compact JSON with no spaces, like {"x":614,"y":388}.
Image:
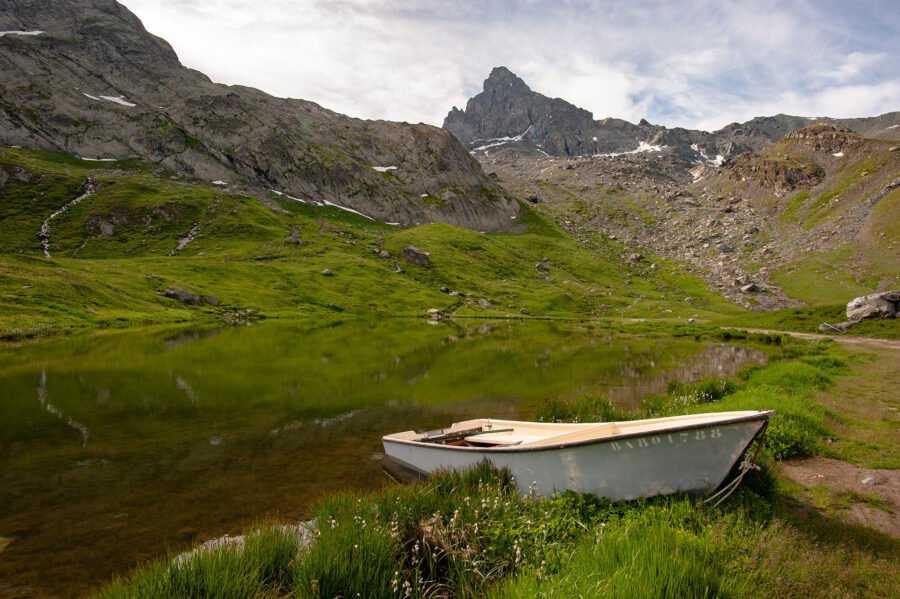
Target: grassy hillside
{"x":114,"y":252}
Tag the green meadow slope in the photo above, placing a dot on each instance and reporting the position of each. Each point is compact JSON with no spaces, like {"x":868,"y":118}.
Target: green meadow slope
{"x":142,"y":230}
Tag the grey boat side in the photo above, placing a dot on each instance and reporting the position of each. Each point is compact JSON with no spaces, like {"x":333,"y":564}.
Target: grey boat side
{"x":693,"y":458}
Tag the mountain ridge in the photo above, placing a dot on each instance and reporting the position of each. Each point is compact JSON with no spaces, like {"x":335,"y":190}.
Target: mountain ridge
{"x":508,"y":113}
{"x":94,"y":83}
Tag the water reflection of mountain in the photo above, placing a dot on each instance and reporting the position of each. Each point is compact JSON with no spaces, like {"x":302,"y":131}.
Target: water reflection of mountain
{"x":717,"y":360}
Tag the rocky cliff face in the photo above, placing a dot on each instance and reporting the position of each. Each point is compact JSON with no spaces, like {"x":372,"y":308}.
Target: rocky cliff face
{"x":85,"y":77}
{"x":508,"y":114}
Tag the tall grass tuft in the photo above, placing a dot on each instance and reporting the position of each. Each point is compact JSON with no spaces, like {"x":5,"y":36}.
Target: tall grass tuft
{"x":260,"y":567}
{"x":353,"y":555}
{"x":667,"y":550}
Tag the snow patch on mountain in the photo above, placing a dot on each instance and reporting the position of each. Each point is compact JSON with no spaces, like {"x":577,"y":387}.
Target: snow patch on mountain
{"x":500,"y":141}
{"x":643,"y":146}
{"x":345,"y":209}
{"x":719,"y":160}
{"x":120,"y":100}
{"x":5,"y":33}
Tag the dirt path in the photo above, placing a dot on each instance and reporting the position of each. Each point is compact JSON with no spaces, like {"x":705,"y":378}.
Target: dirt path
{"x":845,"y":339}
{"x":866,"y":496}
{"x":863,"y":486}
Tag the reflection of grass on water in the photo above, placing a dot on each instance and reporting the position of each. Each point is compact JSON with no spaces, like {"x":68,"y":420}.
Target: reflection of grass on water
{"x":472,"y":534}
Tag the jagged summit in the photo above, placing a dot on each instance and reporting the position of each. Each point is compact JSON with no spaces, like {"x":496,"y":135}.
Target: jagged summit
{"x":509,"y":114}
{"x":503,"y":77}
{"x":85,"y":77}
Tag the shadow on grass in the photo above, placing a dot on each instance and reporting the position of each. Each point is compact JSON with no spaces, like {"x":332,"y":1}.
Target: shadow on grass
{"x":827,"y":530}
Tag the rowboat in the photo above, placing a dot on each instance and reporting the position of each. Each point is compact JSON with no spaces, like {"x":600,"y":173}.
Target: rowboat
{"x":616,"y":460}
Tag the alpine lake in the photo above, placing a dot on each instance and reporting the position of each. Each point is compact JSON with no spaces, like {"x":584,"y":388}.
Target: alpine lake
{"x":119,"y":446}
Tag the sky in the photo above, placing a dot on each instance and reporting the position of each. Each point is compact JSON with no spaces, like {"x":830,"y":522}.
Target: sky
{"x":689,"y":63}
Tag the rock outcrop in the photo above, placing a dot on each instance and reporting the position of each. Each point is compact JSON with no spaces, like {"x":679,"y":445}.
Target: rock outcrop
{"x":868,"y":307}
{"x":876,"y":305}
{"x":413,"y":255}
{"x":183,"y":296}
{"x":94,"y":83}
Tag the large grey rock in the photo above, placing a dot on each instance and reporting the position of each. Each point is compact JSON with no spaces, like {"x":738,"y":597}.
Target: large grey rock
{"x":875,"y":305}
{"x":97,"y":84}
{"x":183,"y":296}
{"x":413,"y":255}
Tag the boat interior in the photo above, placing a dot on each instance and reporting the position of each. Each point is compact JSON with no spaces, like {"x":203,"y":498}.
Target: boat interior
{"x":488,"y":432}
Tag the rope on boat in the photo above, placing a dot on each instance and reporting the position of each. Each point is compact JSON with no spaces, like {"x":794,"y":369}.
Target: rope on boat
{"x":746,"y":466}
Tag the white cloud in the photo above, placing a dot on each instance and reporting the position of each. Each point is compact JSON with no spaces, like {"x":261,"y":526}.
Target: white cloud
{"x":690,"y":63}
{"x":854,"y":65}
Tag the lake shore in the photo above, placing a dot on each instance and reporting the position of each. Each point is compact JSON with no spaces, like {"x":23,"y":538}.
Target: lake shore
{"x":472,"y":533}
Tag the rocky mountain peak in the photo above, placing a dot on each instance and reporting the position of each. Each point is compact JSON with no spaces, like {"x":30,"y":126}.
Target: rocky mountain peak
{"x":503,"y":78}
{"x":509,"y":115}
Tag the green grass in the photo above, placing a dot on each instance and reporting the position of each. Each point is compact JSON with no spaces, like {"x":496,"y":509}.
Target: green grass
{"x":826,"y":278}
{"x":262,"y":567}
{"x":113,"y":253}
{"x":794,"y":204}
{"x":649,"y":556}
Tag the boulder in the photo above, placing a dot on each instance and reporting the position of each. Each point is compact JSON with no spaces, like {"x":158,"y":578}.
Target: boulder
{"x":635,"y":258}
{"x":211,"y":300}
{"x":484,"y":303}
{"x":327,"y":273}
{"x":750,"y":288}
{"x":183,"y":296}
{"x":876,"y":305}
{"x":413,"y":255}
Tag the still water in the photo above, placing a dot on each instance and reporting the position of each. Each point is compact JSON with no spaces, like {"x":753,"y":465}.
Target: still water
{"x":118,"y":446}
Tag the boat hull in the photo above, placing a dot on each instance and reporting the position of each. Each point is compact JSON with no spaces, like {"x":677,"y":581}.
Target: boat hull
{"x":692,"y":460}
